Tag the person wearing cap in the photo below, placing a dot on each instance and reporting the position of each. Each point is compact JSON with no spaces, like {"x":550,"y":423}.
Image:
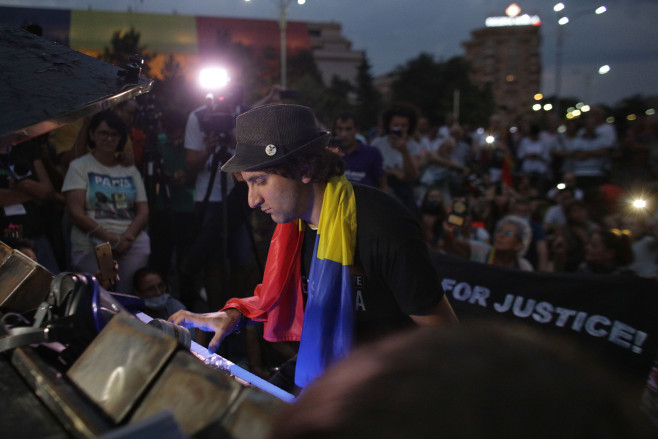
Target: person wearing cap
{"x":346,"y":264}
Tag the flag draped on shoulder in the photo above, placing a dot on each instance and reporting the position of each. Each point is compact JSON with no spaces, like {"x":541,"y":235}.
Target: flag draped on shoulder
{"x":328,"y":319}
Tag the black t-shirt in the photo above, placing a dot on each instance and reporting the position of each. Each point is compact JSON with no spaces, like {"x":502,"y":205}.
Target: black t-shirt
{"x":393,"y":276}
{"x":21,"y":158}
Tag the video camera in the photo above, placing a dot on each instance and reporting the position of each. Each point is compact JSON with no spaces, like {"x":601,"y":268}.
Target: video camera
{"x":223,"y":104}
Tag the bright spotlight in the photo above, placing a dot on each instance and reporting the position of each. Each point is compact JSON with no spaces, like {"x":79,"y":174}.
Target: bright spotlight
{"x":558,"y":7}
{"x":604,"y":69}
{"x":213,"y":78}
{"x":639,"y":203}
{"x":600,"y":10}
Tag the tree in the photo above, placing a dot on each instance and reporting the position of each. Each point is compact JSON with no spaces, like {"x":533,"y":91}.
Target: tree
{"x":368,"y":99}
{"x":431,"y":86}
{"x":172,"y":92}
{"x":123,"y":46}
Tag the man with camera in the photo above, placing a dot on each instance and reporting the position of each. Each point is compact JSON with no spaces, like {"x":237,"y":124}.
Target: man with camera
{"x":220,"y":205}
{"x":401,"y":153}
{"x":346,"y":263}
{"x":208,"y":144}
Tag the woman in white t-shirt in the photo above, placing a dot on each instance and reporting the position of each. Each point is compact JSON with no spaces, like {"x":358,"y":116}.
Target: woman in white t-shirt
{"x":106,"y":201}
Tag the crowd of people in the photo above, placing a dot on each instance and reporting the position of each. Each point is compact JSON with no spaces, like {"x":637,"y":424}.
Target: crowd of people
{"x":539,"y":195}
{"x":572,"y":182}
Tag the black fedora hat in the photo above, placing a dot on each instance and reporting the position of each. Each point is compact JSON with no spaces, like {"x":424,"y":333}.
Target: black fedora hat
{"x":269,"y":134}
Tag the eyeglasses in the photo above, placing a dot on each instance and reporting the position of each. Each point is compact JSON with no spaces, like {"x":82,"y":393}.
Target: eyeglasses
{"x":107,"y":134}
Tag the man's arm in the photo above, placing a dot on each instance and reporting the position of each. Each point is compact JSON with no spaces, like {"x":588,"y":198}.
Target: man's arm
{"x":442,"y":314}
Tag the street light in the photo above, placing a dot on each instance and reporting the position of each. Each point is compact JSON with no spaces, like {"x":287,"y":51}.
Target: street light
{"x":283,"y":9}
{"x":588,"y":80}
{"x":562,"y":20}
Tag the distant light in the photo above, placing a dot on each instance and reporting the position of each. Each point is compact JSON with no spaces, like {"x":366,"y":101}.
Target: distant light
{"x":521,"y":20}
{"x":490,"y":139}
{"x":539,"y":97}
{"x":301,"y":2}
{"x":610,"y":119}
{"x":631,"y":117}
{"x":579,"y":105}
{"x":561,"y":186}
{"x":558,"y":7}
{"x":536,"y":107}
{"x":562,"y":129}
{"x":548,"y":107}
{"x":213,"y":78}
{"x":585,"y":108}
{"x":562,"y":21}
{"x":604,"y":69}
{"x":576,"y":113}
{"x":570,"y":115}
{"x":650,"y":112}
{"x":600,"y":10}
{"x":513,"y":10}
{"x":571,"y":109}
{"x":639,"y":204}
{"x":513,"y":130}
{"x":510,"y":78}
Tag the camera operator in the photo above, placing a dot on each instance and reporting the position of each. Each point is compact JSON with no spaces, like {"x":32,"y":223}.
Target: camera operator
{"x":209,"y":142}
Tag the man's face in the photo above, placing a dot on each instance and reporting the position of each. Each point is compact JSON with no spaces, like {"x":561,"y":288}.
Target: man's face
{"x":284,"y":199}
{"x":346,"y":130}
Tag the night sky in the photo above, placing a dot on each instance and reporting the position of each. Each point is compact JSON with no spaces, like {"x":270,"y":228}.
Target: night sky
{"x":392,"y":32}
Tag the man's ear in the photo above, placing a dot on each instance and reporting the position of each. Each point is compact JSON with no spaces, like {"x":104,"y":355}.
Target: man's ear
{"x":305,"y":173}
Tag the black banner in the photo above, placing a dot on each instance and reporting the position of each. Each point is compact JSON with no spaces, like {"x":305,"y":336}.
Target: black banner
{"x":614,"y":315}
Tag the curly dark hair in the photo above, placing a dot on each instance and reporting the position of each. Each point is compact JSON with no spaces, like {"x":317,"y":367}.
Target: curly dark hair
{"x":319,"y":164}
{"x":404,"y":110}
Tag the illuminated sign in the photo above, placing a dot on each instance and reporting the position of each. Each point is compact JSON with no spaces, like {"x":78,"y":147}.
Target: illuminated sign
{"x":513,"y":18}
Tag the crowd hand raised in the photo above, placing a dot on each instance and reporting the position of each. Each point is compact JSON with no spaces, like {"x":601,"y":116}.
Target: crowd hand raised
{"x":109,"y":282}
{"x":222,"y":323}
{"x":398,"y":143}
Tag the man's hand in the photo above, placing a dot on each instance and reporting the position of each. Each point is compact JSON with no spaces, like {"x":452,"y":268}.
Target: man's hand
{"x":222,"y":323}
{"x":398,"y":143}
{"x":211,"y":141}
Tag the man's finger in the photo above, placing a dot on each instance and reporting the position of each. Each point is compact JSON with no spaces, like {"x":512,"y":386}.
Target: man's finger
{"x":215,"y":342}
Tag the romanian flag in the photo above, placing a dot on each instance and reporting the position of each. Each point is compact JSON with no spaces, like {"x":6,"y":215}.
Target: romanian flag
{"x":325,"y":327}
{"x":329,"y":318}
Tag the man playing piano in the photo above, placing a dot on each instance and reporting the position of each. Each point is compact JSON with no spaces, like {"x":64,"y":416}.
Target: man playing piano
{"x":347,"y":264}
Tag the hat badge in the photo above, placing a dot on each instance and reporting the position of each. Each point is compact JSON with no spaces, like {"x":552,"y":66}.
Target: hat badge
{"x":270,"y":150}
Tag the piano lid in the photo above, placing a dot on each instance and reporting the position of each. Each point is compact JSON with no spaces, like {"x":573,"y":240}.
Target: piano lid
{"x":46,"y":85}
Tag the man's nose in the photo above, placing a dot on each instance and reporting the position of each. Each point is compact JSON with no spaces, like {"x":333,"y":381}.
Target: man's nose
{"x":254,"y":199}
